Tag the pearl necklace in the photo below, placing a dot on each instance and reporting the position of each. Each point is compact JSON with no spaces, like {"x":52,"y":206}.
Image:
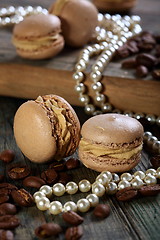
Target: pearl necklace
{"x":105,"y":182}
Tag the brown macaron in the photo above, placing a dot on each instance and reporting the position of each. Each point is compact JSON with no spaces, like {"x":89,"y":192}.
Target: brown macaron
{"x":111,"y":142}
{"x":79,"y":20}
{"x":47,"y":128}
{"x":38,"y":36}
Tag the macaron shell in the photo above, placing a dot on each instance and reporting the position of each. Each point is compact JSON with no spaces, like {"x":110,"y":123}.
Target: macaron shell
{"x":101,"y":164}
{"x":43,"y":52}
{"x":35,"y":26}
{"x":112,"y":129}
{"x":79,"y":19}
{"x":33,"y":132}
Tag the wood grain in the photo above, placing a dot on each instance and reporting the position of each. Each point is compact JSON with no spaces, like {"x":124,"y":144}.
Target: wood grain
{"x":28,"y":79}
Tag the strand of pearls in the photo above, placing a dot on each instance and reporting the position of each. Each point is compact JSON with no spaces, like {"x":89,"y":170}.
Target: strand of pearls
{"x":105,"y":182}
{"x":12,"y":15}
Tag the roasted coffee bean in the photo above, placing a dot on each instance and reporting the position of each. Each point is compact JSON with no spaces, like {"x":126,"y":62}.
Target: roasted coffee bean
{"x":7,"y":209}
{"x":33,"y":181}
{"x":156,"y":74}
{"x":126,"y":194}
{"x":74,"y":233}
{"x":4,"y":198}
{"x":7,"y":186}
{"x":123,"y":51}
{"x":58,"y":166}
{"x":72,"y":218}
{"x":146,"y":60}
{"x":22,"y":198}
{"x":150,"y":190}
{"x":64,"y":178}
{"x":141,"y":71}
{"x":155,"y":161}
{"x":72,"y":163}
{"x":47,"y":230}
{"x":102,"y":211}
{"x":50,"y":176}
{"x":129,"y":63}
{"x":1,"y":177}
{"x":9,"y":222}
{"x":132,"y":46}
{"x":147,"y":42}
{"x":7,"y":156}
{"x":6,"y":235}
{"x":18,"y":172}
{"x":157,"y":53}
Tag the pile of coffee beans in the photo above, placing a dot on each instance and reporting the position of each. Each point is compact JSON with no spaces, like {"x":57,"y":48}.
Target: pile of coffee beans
{"x":143,"y":55}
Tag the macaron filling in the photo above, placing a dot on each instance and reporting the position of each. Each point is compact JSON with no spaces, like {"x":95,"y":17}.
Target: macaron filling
{"x":60,"y":125}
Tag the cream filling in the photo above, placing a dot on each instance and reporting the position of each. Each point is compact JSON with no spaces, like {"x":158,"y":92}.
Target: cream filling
{"x":34,"y":44}
{"x":98,"y":151}
{"x":63,"y":124}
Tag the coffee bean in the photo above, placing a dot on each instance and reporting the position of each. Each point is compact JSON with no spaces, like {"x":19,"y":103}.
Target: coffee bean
{"x":72,"y":163}
{"x":1,"y":177}
{"x":7,"y":156}
{"x":18,"y":172}
{"x":123,"y":51}
{"x":47,"y":230}
{"x":74,"y":233}
{"x":6,"y":188}
{"x":126,"y":194}
{"x":33,"y":181}
{"x":155,"y":161}
{"x":157,"y":53}
{"x":4,"y":198}
{"x":22,"y":198}
{"x":146,"y":60}
{"x":9,"y":222}
{"x":132,"y":46}
{"x":141,"y":71}
{"x":58,"y":166}
{"x":64,"y":178}
{"x":150,"y":190}
{"x":7,"y":209}
{"x":129,"y":63}
{"x":147,"y":42}
{"x":49,"y":176}
{"x":102,"y":211}
{"x":6,"y":235}
{"x":156,"y":74}
{"x":72,"y":218}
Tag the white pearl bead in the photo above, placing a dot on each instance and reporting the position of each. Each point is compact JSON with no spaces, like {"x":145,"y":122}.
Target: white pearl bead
{"x":70,"y":206}
{"x":38,"y":195}
{"x":126,"y":176}
{"x":103,"y":179}
{"x":128,"y":113}
{"x":138,"y":116}
{"x":100,"y":98}
{"x":158,"y":121}
{"x":150,"y":179}
{"x":47,"y":190}
{"x":111,"y":188}
{"x":84,"y":98}
{"x":115,"y":178}
{"x":80,"y":66}
{"x":93,"y":199}
{"x":96,"y":76}
{"x":89,"y":109}
{"x":156,"y":147}
{"x":150,"y":118}
{"x":84,"y":185}
{"x":123,"y":184}
{"x":43,"y":204}
{"x":58,"y":189}
{"x":137,"y":182}
{"x":80,"y":88}
{"x":71,"y":187}
{"x":97,"y":86}
{"x":78,"y":76}
{"x":98,"y":189}
{"x":151,"y":171}
{"x":55,"y":207}
{"x":158,"y":173}
{"x":83,"y":205}
{"x":146,"y":135}
{"x":106,"y":107}
{"x":139,"y":174}
{"x":108,"y":174}
{"x":151,"y":140}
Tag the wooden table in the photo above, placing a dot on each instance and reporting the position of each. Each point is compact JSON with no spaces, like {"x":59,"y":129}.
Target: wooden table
{"x":138,"y":219}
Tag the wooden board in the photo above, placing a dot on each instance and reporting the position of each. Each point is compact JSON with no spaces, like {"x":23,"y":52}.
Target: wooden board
{"x":28,"y":79}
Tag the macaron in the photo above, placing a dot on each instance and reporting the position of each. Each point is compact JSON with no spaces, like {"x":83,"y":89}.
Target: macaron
{"x":114,"y":6}
{"x":47,"y":128}
{"x":111,"y":142}
{"x":79,"y":20}
{"x":38,"y":36}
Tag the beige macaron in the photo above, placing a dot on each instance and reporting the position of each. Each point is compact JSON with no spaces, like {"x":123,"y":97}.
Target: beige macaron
{"x":47,"y":128}
{"x":79,"y":20}
{"x":38,"y":36}
{"x":111,"y":142}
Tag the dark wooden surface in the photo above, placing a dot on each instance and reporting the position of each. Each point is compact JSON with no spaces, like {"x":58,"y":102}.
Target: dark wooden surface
{"x":138,"y":219}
